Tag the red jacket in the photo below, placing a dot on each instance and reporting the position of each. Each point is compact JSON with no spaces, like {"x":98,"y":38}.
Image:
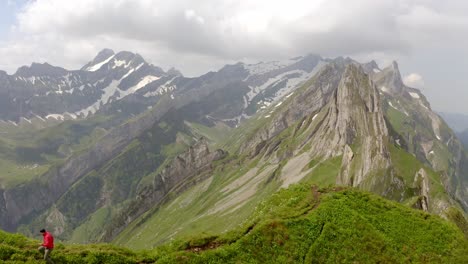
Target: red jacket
{"x":48,"y":240}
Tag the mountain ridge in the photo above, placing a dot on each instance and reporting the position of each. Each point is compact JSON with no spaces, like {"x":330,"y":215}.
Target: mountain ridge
{"x":331,"y":121}
{"x":276,"y":157}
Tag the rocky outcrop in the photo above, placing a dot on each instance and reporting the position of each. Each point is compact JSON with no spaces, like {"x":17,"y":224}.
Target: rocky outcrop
{"x":352,"y":125}
{"x":421,"y":183}
{"x":354,"y":116}
{"x":424,"y":133}
{"x":390,"y":79}
{"x":56,"y":221}
{"x":184,"y":171}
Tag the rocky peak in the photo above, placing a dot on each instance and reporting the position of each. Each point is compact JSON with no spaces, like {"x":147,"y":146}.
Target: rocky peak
{"x":389,"y":79}
{"x":100,"y":58}
{"x":353,"y":113}
{"x":40,"y":69}
{"x":174,"y":72}
{"x":127,"y":56}
{"x":309,"y":62}
{"x":102,"y":55}
{"x":371,"y":67}
{"x":337,"y":113}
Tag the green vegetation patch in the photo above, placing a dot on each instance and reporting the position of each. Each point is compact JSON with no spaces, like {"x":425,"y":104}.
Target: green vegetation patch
{"x":348,"y":226}
{"x":301,"y":224}
{"x":325,"y":172}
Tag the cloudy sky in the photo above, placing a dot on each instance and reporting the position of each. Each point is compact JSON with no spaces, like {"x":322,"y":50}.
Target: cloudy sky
{"x":429,"y":38}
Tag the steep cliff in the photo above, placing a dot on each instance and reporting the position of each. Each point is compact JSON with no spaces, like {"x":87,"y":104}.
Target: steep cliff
{"x":420,"y":131}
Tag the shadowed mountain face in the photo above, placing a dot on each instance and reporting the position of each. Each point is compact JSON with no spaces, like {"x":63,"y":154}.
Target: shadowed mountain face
{"x":122,"y":146}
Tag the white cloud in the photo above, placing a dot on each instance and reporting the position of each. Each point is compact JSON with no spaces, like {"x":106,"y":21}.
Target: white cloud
{"x":414,"y":80}
{"x":190,"y":15}
{"x":181,"y":32}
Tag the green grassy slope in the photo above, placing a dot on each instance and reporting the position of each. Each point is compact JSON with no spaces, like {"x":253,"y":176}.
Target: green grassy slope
{"x":301,"y":224}
{"x":347,"y":226}
{"x":112,"y":184}
{"x":28,"y":152}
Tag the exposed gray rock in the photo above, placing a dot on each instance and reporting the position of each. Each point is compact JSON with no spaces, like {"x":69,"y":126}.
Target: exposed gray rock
{"x":390,"y":78}
{"x":421,"y":182}
{"x":345,"y":175}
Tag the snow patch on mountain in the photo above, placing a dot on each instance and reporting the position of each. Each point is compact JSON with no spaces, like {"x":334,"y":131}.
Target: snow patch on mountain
{"x":264,"y":67}
{"x":165,"y":88}
{"x":71,"y":115}
{"x":109,"y":91}
{"x":131,"y":71}
{"x":112,"y":91}
{"x":145,"y":81}
{"x":119,"y":63}
{"x":394,"y":107}
{"x":290,"y":85}
{"x":13,"y":123}
{"x":414,"y":95}
{"x":39,"y":117}
{"x":99,"y":65}
{"x":25,"y":119}
{"x":55,"y":116}
{"x":384,"y":89}
{"x":398,"y":109}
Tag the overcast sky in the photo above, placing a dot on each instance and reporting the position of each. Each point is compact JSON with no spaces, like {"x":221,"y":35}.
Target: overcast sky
{"x":429,"y":38}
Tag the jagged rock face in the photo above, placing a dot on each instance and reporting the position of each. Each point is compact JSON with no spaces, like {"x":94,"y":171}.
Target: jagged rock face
{"x":390,"y":78}
{"x":313,"y":96}
{"x":353,"y":119}
{"x":423,"y":132}
{"x":353,"y":113}
{"x":339,"y":110}
{"x":174,"y":178}
{"x":187,"y":164}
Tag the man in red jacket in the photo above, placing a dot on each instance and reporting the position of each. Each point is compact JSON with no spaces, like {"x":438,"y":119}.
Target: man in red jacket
{"x":47,"y":245}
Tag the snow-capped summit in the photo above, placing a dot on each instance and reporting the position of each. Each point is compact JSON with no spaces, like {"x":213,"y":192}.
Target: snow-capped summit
{"x":46,"y":91}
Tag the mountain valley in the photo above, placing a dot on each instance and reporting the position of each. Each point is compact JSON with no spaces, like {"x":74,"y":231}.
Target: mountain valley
{"x":124,"y":152}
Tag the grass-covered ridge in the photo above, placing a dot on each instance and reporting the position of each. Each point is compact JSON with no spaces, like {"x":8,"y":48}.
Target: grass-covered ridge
{"x":301,"y":224}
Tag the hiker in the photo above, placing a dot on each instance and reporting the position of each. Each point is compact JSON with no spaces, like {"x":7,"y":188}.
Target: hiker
{"x":47,"y":245}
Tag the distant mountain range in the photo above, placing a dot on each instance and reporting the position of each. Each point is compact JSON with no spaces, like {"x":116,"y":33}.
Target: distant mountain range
{"x":458,"y":122}
{"x":123,"y":151}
